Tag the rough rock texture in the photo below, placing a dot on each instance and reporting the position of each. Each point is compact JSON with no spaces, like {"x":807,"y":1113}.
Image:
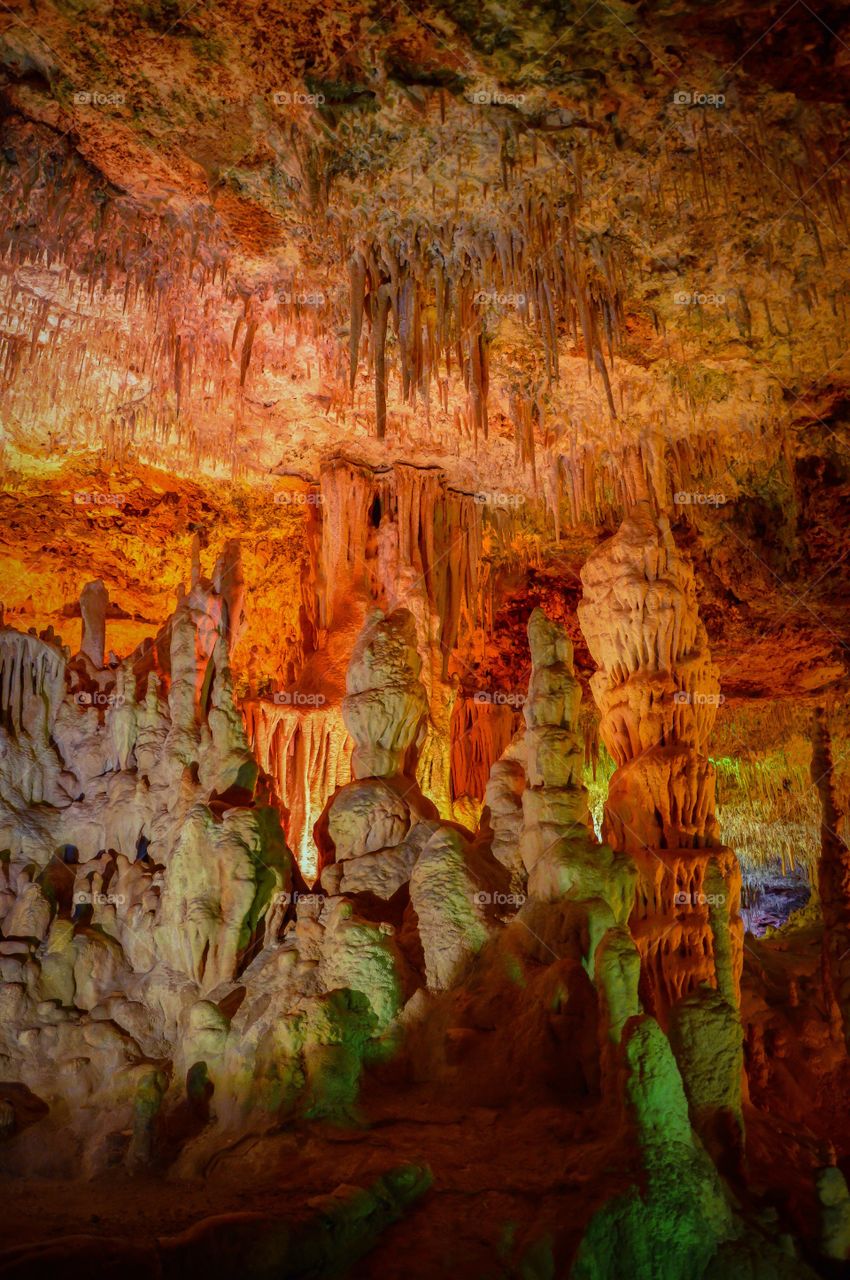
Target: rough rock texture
{"x":307,"y":752}
{"x":558,"y":848}
{"x":146,"y":880}
{"x":681,"y":1224}
{"x":385,"y":706}
{"x":676,"y":1224}
{"x":657,"y":692}
{"x":417,"y":302}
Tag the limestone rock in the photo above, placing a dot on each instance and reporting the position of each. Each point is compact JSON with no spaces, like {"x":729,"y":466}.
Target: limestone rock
{"x":448,"y":901}
{"x":94,"y":602}
{"x":366,"y":816}
{"x":673,"y":1227}
{"x":657,"y":691}
{"x":217,"y":885}
{"x":30,"y":915}
{"x":386,"y":705}
{"x":834,"y":1200}
{"x":707,"y":1040}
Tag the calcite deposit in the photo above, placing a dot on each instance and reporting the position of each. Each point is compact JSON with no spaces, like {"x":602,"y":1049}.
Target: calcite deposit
{"x":658,"y":693}
{"x":424,"y":564}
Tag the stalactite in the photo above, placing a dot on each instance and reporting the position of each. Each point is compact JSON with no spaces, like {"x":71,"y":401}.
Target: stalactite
{"x":31,"y":679}
{"x":480,"y":732}
{"x":438,"y":534}
{"x":382,"y":308}
{"x":443,"y":275}
{"x":307,"y":752}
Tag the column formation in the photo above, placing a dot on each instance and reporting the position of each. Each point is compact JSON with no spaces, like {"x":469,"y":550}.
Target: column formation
{"x":658,"y":692}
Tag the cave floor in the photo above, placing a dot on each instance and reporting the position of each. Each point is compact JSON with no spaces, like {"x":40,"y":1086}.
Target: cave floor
{"x":502,"y":1179}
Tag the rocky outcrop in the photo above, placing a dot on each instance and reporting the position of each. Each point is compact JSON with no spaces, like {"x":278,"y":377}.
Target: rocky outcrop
{"x":149,"y":877}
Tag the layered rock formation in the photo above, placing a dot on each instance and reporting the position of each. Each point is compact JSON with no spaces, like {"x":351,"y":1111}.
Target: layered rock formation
{"x":658,"y":693}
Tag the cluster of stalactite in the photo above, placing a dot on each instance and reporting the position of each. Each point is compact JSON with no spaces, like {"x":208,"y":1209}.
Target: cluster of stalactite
{"x":307,"y":752}
{"x":769,"y":810}
{"x":174,"y":360}
{"x":597,"y":482}
{"x":122,"y":324}
{"x":481,"y":729}
{"x":440,"y":282}
{"x":395,"y":530}
{"x":32,"y":671}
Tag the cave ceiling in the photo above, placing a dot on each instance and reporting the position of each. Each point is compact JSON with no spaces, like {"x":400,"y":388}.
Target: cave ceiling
{"x":621,"y":228}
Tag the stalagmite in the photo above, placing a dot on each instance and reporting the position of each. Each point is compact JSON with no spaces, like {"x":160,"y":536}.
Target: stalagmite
{"x":657,"y":691}
{"x":560,"y":853}
{"x":379,"y":834}
{"x":385,"y":705}
{"x":94,"y":602}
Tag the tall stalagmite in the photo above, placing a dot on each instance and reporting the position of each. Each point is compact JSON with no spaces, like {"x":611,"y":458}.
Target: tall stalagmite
{"x":658,"y":692}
